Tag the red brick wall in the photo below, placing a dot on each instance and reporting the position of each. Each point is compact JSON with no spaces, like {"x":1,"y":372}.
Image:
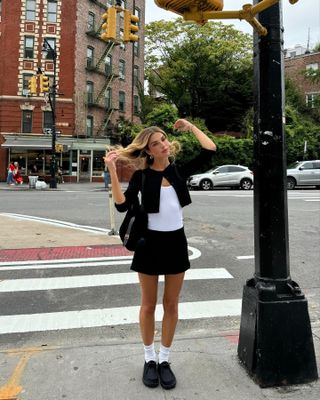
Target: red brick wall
{"x":295,"y":68}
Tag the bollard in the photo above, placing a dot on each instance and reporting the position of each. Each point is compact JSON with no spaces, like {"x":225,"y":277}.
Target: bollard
{"x":111,"y":212}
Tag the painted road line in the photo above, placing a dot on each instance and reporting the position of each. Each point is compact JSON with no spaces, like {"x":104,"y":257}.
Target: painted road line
{"x":313,"y":200}
{"x":61,"y":266}
{"x":112,"y":316}
{"x":245,"y":257}
{"x":65,"y":260}
{"x":69,"y":282}
{"x":58,"y":223}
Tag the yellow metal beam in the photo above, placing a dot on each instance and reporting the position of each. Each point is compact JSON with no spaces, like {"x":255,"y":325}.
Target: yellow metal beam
{"x":201,"y":11}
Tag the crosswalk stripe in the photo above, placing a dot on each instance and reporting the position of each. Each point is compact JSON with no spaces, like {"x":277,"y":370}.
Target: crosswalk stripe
{"x":68,"y":282}
{"x":62,"y":265}
{"x":65,"y":260}
{"x":112,"y":316}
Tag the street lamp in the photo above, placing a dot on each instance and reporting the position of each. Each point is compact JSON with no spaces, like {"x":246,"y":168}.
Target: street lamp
{"x":49,"y":50}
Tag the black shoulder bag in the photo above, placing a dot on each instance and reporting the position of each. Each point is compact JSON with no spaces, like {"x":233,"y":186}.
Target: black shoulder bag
{"x":134,"y":225}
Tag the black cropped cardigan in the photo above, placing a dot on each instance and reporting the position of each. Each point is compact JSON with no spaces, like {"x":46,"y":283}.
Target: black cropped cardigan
{"x":176,"y":176}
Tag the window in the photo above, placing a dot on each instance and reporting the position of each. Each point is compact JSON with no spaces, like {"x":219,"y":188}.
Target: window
{"x":31,"y":10}
{"x":307,"y":165}
{"x":122,"y":69}
{"x":313,"y":66}
{"x":223,"y":170}
{"x":136,"y":48}
{"x":313,"y":100}
{"x":26,"y":121}
{"x":108,"y":98}
{"x":122,"y":100}
{"x":91,"y":21}
{"x":52,"y":43}
{"x":89,"y":127}
{"x":136,"y":77}
{"x":108,"y":65}
{"x":90,"y":55}
{"x":52,"y":11}
{"x":136,"y":104}
{"x":89,"y":92}
{"x":137,"y":12}
{"x":235,"y":169}
{"x":47,"y":120}
{"x":28,"y":47}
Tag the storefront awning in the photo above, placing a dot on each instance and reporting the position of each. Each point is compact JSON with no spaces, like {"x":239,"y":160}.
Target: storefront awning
{"x":44,"y":142}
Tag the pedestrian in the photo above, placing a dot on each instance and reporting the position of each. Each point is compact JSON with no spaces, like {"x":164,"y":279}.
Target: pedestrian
{"x":60,"y":175}
{"x":164,"y":250}
{"x":16,"y":174}
{"x":10,"y":177}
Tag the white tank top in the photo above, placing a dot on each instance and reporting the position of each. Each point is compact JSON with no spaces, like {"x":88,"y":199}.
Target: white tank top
{"x":169,"y":217}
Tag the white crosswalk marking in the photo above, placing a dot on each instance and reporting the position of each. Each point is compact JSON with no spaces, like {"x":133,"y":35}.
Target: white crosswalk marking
{"x":111,"y":316}
{"x":68,"y":282}
{"x":96,"y":317}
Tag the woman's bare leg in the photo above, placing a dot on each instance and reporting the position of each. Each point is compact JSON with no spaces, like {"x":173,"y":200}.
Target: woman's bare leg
{"x":172,"y":289}
{"x":149,"y":292}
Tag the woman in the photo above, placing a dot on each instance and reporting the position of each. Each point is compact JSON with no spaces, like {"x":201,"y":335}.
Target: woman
{"x":164,"y":251}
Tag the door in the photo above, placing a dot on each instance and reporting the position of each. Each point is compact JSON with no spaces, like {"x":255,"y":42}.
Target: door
{"x":85,"y":168}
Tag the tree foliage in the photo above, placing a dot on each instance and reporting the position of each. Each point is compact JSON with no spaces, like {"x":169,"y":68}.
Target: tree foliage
{"x":206,"y":72}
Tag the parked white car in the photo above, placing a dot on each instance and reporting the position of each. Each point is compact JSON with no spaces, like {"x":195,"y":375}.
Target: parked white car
{"x":225,"y":175}
{"x":304,"y":173}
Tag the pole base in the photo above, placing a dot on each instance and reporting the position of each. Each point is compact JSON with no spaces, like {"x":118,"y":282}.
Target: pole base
{"x":275,"y":343}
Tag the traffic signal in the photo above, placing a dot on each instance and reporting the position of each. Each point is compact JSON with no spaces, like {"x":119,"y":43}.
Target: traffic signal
{"x":32,"y":85}
{"x":44,"y":84}
{"x":59,"y":148}
{"x":109,"y":27}
{"x":130,"y":27}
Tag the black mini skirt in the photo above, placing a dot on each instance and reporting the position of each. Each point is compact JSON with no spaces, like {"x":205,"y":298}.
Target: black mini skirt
{"x":162,"y":253}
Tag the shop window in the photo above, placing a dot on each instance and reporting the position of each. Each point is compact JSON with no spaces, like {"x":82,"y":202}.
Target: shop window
{"x":28,"y":47}
{"x":26,"y":121}
{"x":52,"y":11}
{"x":98,"y":163}
{"x":31,"y":10}
{"x":122,"y":101}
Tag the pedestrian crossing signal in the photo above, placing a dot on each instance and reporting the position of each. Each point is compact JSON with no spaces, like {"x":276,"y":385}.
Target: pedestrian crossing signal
{"x":59,"y":148}
{"x":130,"y":27}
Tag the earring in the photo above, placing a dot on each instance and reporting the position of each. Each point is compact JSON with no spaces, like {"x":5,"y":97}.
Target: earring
{"x":151,"y":157}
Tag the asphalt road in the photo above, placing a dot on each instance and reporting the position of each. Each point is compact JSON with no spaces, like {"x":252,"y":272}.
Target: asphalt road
{"x":219,"y":224}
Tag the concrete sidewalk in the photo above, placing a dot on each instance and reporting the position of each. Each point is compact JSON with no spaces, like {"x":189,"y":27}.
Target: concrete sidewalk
{"x":106,"y":367}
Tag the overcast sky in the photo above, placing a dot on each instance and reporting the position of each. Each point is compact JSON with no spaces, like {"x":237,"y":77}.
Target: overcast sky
{"x":297,"y":19}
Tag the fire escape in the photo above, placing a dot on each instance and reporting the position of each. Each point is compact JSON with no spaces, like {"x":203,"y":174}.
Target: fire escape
{"x":99,"y":66}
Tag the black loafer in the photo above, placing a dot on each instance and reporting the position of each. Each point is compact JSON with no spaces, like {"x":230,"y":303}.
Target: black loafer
{"x":167,"y":378}
{"x":150,"y":376}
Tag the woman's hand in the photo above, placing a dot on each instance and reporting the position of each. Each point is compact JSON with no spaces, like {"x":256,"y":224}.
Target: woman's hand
{"x":110,"y":160}
{"x":183,"y":125}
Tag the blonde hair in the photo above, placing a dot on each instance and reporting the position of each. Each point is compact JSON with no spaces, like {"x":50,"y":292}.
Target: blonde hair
{"x":135,"y":153}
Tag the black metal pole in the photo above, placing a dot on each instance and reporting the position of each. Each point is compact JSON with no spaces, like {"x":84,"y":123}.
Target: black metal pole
{"x":275,"y":343}
{"x":52,"y":99}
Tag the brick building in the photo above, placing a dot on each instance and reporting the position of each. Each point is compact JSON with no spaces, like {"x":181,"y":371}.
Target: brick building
{"x":295,"y":68}
{"x":96,"y":84}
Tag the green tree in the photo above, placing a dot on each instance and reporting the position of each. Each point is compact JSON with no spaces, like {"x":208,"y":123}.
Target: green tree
{"x":205,"y":71}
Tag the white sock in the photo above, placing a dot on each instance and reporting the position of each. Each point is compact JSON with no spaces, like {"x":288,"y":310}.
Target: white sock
{"x":164,"y":354}
{"x":150,"y":353}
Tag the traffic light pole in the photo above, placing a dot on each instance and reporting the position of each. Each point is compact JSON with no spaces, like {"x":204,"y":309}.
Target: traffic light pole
{"x":52,"y":100}
{"x":275,"y":344}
